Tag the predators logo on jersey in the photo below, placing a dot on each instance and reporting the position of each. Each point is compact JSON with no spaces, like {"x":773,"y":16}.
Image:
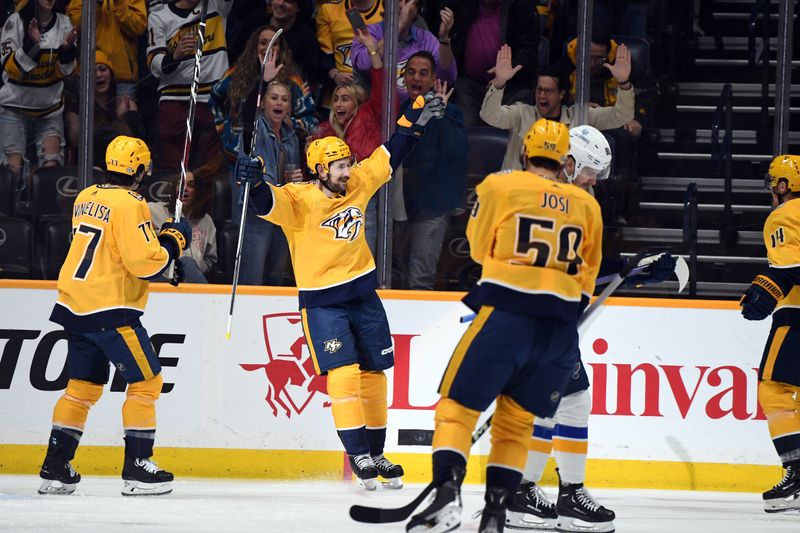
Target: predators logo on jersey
{"x":346,"y":224}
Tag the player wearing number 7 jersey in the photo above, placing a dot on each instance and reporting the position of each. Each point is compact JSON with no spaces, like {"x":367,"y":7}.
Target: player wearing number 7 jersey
{"x":102,"y":291}
{"x":539,"y":243}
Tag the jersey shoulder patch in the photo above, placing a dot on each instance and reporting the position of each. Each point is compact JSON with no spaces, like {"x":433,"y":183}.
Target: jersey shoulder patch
{"x":136,"y":195}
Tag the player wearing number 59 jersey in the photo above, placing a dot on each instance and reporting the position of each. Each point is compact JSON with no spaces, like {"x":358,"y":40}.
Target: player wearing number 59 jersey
{"x":539,"y":242}
{"x":102,"y":292}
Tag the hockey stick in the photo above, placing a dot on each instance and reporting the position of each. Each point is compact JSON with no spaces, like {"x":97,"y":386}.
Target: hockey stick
{"x":380,"y":515}
{"x":377,"y":515}
{"x":238,"y":262}
{"x":187,"y":143}
{"x":681,"y":272}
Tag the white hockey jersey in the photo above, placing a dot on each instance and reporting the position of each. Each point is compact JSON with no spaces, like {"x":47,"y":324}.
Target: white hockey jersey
{"x":165,"y":26}
{"x":33,"y":85}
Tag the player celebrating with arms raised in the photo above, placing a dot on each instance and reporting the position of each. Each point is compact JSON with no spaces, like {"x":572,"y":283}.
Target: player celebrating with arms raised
{"x":343,"y":319}
{"x":779,"y":371}
{"x":539,"y":242}
{"x":102,"y":292}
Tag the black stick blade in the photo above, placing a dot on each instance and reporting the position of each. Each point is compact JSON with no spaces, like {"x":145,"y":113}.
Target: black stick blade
{"x":378,"y":515}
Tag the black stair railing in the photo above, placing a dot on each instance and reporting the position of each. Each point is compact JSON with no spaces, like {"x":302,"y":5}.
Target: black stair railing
{"x":722,"y":158}
{"x":758,"y":55}
{"x":690,"y":234}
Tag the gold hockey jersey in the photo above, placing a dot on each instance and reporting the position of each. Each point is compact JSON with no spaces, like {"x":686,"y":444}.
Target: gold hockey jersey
{"x":102,"y":283}
{"x":540,"y":244}
{"x":334,"y":32}
{"x":165,"y":26}
{"x":782,"y":240}
{"x":331,"y":259}
{"x":32,"y":85}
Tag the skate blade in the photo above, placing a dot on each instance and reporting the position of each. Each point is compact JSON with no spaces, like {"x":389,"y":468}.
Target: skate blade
{"x":527,"y":521}
{"x":781,"y":505}
{"x":581,"y":526}
{"x":449,"y":520}
{"x":137,"y":488}
{"x":50,"y":486}
{"x":393,"y":483}
{"x":369,"y":484}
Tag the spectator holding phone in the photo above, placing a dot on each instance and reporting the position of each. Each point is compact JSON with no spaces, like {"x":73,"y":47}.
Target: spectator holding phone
{"x":335,"y":35}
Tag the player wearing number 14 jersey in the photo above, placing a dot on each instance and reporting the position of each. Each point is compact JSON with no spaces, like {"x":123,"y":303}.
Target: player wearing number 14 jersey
{"x":539,"y":243}
{"x":102,"y":292}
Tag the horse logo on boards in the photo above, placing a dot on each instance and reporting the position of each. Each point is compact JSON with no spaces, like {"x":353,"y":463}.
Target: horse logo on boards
{"x":291,"y":379}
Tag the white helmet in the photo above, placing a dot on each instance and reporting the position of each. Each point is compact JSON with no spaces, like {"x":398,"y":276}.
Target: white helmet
{"x":589,"y":148}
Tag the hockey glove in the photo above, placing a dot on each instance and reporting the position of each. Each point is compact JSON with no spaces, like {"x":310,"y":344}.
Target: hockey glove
{"x":660,"y":270}
{"x":180,"y":273}
{"x":175,"y":237}
{"x":760,"y":299}
{"x":412,"y":122}
{"x":249,"y":170}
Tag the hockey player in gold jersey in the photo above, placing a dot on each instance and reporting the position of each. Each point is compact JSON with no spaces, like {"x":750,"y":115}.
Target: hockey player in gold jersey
{"x":539,"y":243}
{"x":778,"y":290}
{"x":344,"y":322}
{"x":102,"y":293}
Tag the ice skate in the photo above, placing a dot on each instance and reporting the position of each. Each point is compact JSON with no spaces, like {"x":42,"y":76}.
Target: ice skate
{"x":785,"y":496}
{"x":365,"y":470}
{"x":143,"y":477}
{"x":444,"y":510}
{"x":392,"y":473}
{"x":58,"y":477}
{"x":530,"y":508}
{"x":493,"y":517}
{"x":578,"y":511}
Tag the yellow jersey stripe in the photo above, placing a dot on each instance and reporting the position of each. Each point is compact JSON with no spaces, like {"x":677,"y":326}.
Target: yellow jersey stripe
{"x":774,"y":349}
{"x":309,"y":341}
{"x":132,"y":341}
{"x":461,"y":349}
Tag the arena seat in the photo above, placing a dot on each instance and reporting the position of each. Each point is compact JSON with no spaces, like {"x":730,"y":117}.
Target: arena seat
{"x":227,"y":239}
{"x":487,"y":146}
{"x":16,"y":248}
{"x":640,"y":55}
{"x":7,"y":193}
{"x":544,"y":51}
{"x":220,"y":208}
{"x":157,"y":187}
{"x":56,"y":239}
{"x":53,"y":191}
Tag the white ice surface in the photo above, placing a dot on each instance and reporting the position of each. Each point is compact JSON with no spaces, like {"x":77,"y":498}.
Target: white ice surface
{"x":299,"y":507}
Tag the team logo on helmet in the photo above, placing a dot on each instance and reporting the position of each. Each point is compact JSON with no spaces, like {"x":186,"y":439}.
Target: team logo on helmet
{"x":346,"y":224}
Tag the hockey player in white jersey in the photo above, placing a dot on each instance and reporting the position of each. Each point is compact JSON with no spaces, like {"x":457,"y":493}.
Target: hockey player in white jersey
{"x":566,"y":434}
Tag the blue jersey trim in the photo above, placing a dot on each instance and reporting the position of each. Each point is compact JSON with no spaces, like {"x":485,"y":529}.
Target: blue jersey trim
{"x":340,"y":293}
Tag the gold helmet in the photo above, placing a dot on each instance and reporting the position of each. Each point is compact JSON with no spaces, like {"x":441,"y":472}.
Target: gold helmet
{"x":325,"y":151}
{"x":548,"y":139}
{"x":784,"y":167}
{"x":125,"y":154}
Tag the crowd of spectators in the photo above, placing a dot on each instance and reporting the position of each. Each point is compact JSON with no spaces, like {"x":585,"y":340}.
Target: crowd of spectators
{"x":322,"y":78}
